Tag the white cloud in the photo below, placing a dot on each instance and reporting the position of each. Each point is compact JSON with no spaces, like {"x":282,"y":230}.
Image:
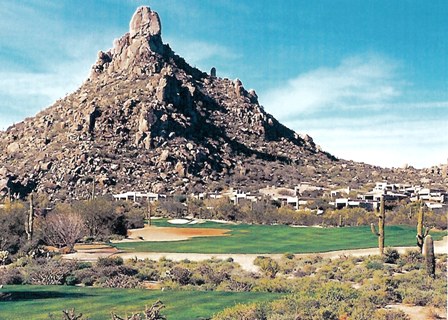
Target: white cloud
{"x":381,"y":139}
{"x":357,"y":80}
{"x":356,"y":111}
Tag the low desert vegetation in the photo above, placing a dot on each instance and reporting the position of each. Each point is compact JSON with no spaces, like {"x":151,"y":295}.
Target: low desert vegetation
{"x":310,"y":287}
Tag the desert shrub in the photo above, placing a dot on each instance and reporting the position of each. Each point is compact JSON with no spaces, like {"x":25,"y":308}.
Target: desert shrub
{"x":391,"y":255}
{"x":374,"y":264}
{"x":411,"y":260}
{"x":109,"y":262}
{"x":390,"y":315}
{"x":363,"y":311}
{"x":151,"y":313}
{"x":48,"y":271}
{"x":85,"y":276}
{"x":83,"y":265}
{"x":134,"y":218}
{"x":327,"y":272}
{"x":314,"y":259}
{"x":121,"y":281}
{"x":337,"y":296}
{"x":289,"y":264}
{"x":278,"y":285}
{"x":111,"y":271}
{"x":71,"y":280}
{"x":11,"y":276}
{"x":418,"y":289}
{"x":243,"y":312}
{"x":357,"y":274}
{"x":69,"y":314}
{"x":375,"y":296}
{"x":212,"y":275}
{"x":439,"y":299}
{"x":441,"y":264}
{"x":181,"y":275}
{"x":237,"y":284}
{"x":267,"y":265}
{"x":297,"y":306}
{"x":416,"y":297}
{"x":148,"y":274}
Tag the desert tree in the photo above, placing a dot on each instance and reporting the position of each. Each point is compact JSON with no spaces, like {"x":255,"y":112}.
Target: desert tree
{"x":102,"y":217}
{"x":63,"y":227}
{"x":12,"y":231}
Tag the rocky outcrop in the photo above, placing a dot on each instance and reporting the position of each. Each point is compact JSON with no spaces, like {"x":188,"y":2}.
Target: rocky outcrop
{"x":132,"y":52}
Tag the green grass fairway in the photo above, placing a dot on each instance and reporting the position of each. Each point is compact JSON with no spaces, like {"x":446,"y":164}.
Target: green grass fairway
{"x":278,"y":239}
{"x":36,"y":302}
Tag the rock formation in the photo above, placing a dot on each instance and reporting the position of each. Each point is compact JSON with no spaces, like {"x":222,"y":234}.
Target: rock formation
{"x":146,"y":120}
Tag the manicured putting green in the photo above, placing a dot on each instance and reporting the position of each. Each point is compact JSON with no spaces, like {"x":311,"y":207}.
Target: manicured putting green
{"x":37,"y":302}
{"x":256,"y":239}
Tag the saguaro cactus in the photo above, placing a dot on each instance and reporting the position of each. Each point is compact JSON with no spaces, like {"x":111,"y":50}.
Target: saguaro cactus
{"x":149,"y":213}
{"x":380,"y":233}
{"x":29,"y":224}
{"x":430,"y":259}
{"x":421,"y":233}
{"x":93,"y":189}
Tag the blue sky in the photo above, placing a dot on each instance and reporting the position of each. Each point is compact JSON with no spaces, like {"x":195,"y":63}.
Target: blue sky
{"x":368,"y":80}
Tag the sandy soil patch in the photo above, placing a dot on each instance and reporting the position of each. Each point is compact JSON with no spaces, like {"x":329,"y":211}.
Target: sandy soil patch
{"x":417,"y":312}
{"x":91,"y":252}
{"x":441,"y":246}
{"x":151,"y":233}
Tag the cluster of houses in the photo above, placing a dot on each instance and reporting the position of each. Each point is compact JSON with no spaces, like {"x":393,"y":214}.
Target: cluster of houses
{"x":304,"y":194}
{"x":433,"y":198}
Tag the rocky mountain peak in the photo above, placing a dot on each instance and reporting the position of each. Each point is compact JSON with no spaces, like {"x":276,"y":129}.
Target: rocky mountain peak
{"x":145,"y":23}
{"x":133,"y":52}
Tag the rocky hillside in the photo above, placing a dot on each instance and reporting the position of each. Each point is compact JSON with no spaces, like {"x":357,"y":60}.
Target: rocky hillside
{"x":146,"y":120}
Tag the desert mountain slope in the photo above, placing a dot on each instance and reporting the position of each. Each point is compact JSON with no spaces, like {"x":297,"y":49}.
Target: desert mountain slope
{"x":146,"y":120}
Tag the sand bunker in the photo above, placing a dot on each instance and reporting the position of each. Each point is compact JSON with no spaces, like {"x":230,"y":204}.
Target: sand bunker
{"x":151,"y":233}
{"x":178,"y":221}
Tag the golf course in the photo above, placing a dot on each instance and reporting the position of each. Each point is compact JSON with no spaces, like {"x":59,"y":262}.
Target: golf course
{"x":271,"y":239}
